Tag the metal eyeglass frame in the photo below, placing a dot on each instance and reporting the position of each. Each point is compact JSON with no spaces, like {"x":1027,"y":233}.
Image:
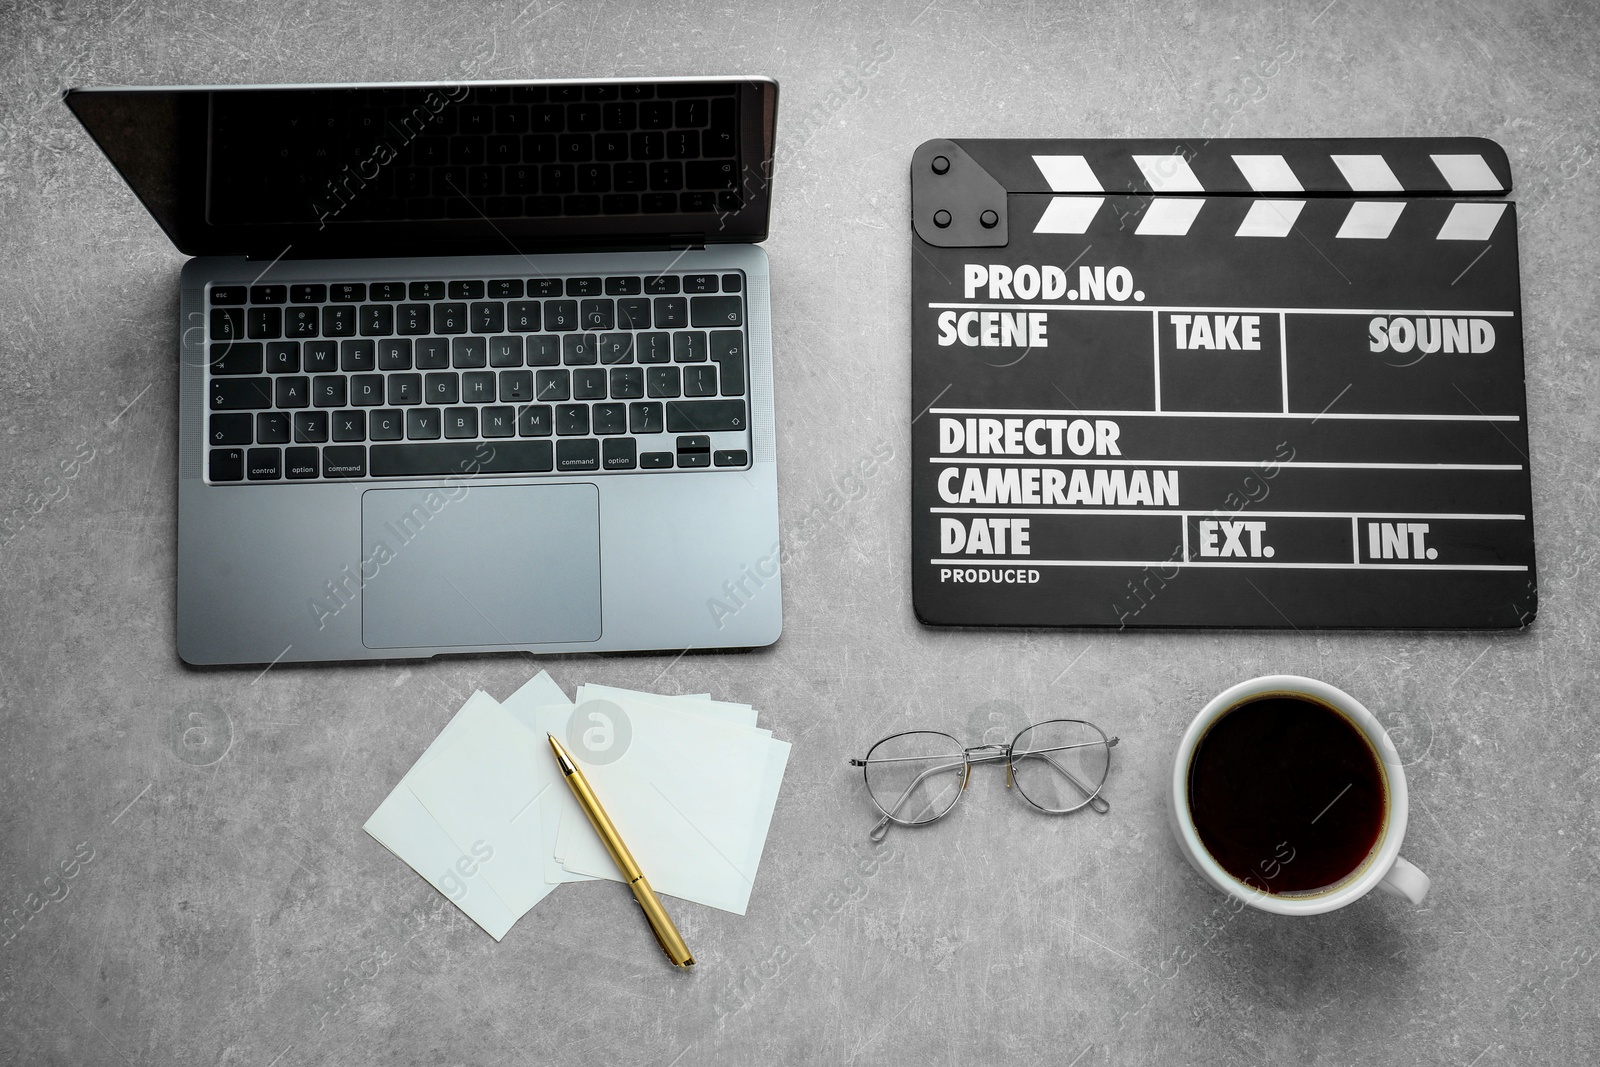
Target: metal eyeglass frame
{"x":986,"y":754}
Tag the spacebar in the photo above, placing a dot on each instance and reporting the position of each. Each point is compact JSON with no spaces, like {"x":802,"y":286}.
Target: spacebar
{"x":465,"y":457}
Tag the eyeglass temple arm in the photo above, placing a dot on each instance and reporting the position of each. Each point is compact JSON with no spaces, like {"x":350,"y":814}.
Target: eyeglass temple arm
{"x":881,"y":830}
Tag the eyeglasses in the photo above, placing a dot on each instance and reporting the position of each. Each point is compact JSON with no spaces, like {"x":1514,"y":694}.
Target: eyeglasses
{"x":915,"y":778}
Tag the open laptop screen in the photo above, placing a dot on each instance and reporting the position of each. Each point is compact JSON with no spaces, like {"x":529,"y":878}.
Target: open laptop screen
{"x":484,"y":167}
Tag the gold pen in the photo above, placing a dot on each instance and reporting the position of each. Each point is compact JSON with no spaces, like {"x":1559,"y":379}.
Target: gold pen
{"x":660,"y":924}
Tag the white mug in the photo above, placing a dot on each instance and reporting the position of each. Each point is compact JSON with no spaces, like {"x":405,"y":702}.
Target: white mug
{"x":1384,"y":869}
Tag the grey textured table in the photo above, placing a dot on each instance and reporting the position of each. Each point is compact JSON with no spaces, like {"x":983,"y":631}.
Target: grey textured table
{"x":225,"y":907}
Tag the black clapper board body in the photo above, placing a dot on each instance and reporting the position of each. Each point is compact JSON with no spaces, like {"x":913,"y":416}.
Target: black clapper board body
{"x":1247,"y":383}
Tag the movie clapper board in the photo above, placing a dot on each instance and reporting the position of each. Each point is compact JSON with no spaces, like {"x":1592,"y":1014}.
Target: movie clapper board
{"x":1252,"y":383}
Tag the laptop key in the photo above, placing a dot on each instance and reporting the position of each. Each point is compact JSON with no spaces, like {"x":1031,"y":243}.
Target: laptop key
{"x":386,"y":424}
{"x":427,"y":290}
{"x":338,"y":321}
{"x":516,"y":385}
{"x":227,"y":294}
{"x":460,"y":422}
{"x":348,"y":292}
{"x":283,"y":357}
{"x":230,"y":429}
{"x":655,"y":460}
{"x":466,"y":290}
{"x":716,"y":311}
{"x":730,"y":457}
{"x":553,"y":385}
{"x":616,"y":348}
{"x":447,"y":457}
{"x":561,"y":315}
{"x":619,"y":454}
{"x":450,"y":318}
{"x":377,"y":320}
{"x":634,"y":314}
{"x":328,"y":391}
{"x":415,"y":319}
{"x":394,"y":353}
{"x":272,"y":428}
{"x":442,"y":389}
{"x":499,"y":422}
{"x":689,"y":346}
{"x":359,"y":354}
{"x":366,"y":390}
{"x":662,"y":381}
{"x":699,"y":283}
{"x":293,"y":392}
{"x":404,"y":389}
{"x":227,"y":464}
{"x":579,"y":349}
{"x":433,"y":353}
{"x":310,"y":427}
{"x":320,"y":357}
{"x":233,"y":394}
{"x":700,"y":381}
{"x":627,"y":383}
{"x":302,"y":322}
{"x":308,"y":294}
{"x":544,"y":350}
{"x":523,"y":315}
{"x":505,"y":351}
{"x":488,"y":316}
{"x":265,"y":322}
{"x":671,"y":312}
{"x":269,"y":294}
{"x":477,"y":387}
{"x":579,"y":454}
{"x":264,"y":464}
{"x":533,"y":420}
{"x":227,"y":324}
{"x":236,"y":357}
{"x":301,"y":463}
{"x":572,"y":420}
{"x":598,"y":314}
{"x":349,"y":426}
{"x":609,"y":419}
{"x":344,"y":461}
{"x":705,"y":416}
{"x":727,"y":351}
{"x":469,"y":352}
{"x":589,"y":384}
{"x":645,"y":418}
{"x":390,"y":291}
{"x":654,"y":347}
{"x":422,"y":424}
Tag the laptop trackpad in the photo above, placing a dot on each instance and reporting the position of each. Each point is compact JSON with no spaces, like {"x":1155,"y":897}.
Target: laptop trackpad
{"x":480,"y":565}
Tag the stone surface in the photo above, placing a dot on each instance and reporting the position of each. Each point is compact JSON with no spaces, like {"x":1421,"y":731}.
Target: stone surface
{"x":233,"y":912}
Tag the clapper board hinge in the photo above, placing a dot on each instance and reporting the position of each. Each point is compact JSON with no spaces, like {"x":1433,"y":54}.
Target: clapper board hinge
{"x":955,"y":203}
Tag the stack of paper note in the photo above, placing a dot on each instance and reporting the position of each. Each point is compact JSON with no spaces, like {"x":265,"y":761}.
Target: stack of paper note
{"x":486,"y":817}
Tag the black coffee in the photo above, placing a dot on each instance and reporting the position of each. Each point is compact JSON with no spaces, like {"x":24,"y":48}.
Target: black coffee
{"x":1286,"y":794}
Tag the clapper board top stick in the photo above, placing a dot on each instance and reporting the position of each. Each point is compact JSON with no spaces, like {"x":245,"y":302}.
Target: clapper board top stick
{"x":1240,"y":383}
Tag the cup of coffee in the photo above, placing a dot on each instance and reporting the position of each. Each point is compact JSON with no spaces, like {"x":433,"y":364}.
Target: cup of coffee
{"x":1288,"y":794}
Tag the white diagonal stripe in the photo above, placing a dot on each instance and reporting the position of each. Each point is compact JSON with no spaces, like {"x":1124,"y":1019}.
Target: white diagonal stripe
{"x":1169,"y":216}
{"x":1471,"y":222}
{"x":1268,"y":174}
{"x":1169,"y":174}
{"x":1467,"y":173}
{"x":1270,"y":218}
{"x":1069,"y":214}
{"x":1368,"y":174}
{"x":1068,"y":174}
{"x":1370,"y":220}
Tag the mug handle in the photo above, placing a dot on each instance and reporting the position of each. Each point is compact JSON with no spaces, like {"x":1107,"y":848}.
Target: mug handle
{"x":1405,"y":880}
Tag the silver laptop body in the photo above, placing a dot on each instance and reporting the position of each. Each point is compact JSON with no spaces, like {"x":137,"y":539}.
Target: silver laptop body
{"x":612,"y":487}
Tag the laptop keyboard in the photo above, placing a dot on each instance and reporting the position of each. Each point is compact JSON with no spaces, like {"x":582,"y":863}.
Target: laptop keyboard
{"x":466,"y":376}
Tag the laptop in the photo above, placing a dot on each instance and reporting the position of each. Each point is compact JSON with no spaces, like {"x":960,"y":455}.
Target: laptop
{"x":465,"y":368}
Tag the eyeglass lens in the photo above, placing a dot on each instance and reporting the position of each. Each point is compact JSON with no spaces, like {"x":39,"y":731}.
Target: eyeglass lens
{"x":915,"y":777}
{"x":1060,"y":765}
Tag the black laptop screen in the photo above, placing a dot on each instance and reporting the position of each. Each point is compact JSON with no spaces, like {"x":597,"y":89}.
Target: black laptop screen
{"x":472,"y":167}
